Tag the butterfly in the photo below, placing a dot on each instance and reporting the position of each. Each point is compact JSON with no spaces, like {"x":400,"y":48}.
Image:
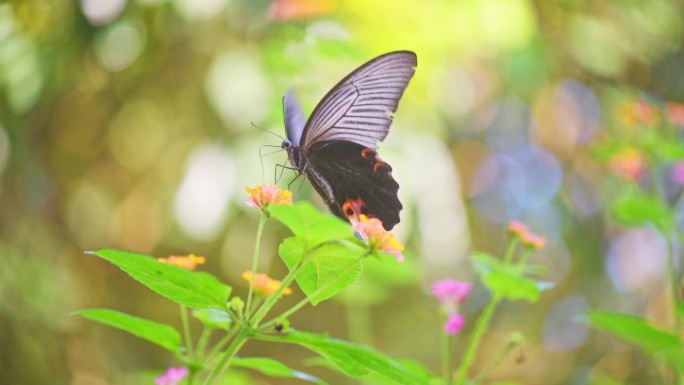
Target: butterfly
{"x":336,"y":148}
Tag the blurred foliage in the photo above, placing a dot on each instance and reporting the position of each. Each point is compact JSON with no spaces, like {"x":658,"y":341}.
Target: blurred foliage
{"x":128,"y":124}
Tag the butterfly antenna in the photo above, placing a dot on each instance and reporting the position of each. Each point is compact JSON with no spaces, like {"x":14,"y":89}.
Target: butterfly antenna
{"x":265,"y":130}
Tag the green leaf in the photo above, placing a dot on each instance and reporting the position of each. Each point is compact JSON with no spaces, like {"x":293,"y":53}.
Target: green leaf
{"x":509,"y":285}
{"x":356,"y":360}
{"x":637,"y":331}
{"x":193,"y":289}
{"x":311,"y":225}
{"x":672,"y":150}
{"x":506,"y":280}
{"x":271,"y":367}
{"x":157,"y":333}
{"x":380,"y":278}
{"x":329,"y":267}
{"x":636,"y":207}
{"x":213,"y":318}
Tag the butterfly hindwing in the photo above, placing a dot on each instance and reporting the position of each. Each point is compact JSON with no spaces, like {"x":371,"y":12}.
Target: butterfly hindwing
{"x":357,"y":177}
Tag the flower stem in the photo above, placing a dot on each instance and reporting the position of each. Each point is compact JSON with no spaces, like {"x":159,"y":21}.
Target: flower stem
{"x":186,"y":330}
{"x":271,"y":300}
{"x":223,"y":342}
{"x":446,"y":356}
{"x":474,"y":344}
{"x":228,"y":356}
{"x":525,"y":257}
{"x":255,"y":261}
{"x":318,"y":291}
{"x":202,"y":344}
{"x":510,"y":250}
{"x":496,"y":361}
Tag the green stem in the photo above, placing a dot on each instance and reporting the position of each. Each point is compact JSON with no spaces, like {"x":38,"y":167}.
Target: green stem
{"x":496,"y":361}
{"x":446,"y":355}
{"x":306,"y":300}
{"x":255,"y":260}
{"x":474,"y":344}
{"x":271,"y":300}
{"x":186,"y":330}
{"x":202,"y":344}
{"x":222,"y":343}
{"x":228,"y":356}
{"x":510,"y":250}
{"x":525,"y":257}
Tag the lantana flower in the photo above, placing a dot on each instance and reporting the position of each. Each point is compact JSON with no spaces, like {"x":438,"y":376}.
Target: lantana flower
{"x":675,"y":113}
{"x":451,"y":293}
{"x":450,"y":290}
{"x":189,"y":262}
{"x":678,"y":173}
{"x":379,"y":239}
{"x":454,"y":324}
{"x":526,"y":236}
{"x":517,"y":228}
{"x":640,"y":112}
{"x":628,"y":163}
{"x":172,"y":376}
{"x":533,"y":241}
{"x":262,"y":196}
{"x":286,"y":10}
{"x":264,"y":285}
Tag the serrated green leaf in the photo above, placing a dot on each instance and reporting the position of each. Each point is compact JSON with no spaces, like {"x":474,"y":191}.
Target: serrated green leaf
{"x":157,"y":333}
{"x":213,"y":318}
{"x":311,"y":225}
{"x":485,"y":263}
{"x":510,"y":285}
{"x":637,"y":331}
{"x":379,"y":281}
{"x":636,"y":207}
{"x":506,"y":280}
{"x":273,"y":368}
{"x":193,"y":289}
{"x":329,"y":267}
{"x":356,"y":360}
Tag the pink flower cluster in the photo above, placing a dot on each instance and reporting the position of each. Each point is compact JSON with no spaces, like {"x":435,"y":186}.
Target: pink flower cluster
{"x":173,"y":376}
{"x":372,"y":232}
{"x":451,"y":293}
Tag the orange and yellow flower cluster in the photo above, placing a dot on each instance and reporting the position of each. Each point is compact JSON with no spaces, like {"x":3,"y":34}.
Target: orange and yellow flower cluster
{"x":379,"y":239}
{"x":527,"y":237}
{"x":263,"y":284}
{"x":264,"y":195}
{"x":189,"y":262}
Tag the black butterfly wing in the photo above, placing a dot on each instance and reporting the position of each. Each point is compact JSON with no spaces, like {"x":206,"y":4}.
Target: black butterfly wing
{"x":359,"y":108}
{"x":360,"y":182}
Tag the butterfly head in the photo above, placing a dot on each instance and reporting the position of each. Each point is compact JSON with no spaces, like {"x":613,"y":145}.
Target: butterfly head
{"x":286,"y":144}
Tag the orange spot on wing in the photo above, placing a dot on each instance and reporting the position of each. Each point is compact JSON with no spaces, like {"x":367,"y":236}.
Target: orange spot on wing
{"x":368,"y":153}
{"x":352,"y":209}
{"x":381,"y":164}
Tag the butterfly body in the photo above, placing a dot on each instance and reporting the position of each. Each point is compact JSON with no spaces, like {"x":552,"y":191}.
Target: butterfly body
{"x":336,"y":147}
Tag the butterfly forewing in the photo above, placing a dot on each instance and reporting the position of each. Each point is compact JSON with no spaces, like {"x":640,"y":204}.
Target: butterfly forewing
{"x":359,"y":108}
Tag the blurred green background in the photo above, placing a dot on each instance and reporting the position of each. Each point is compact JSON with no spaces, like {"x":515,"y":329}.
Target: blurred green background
{"x":128,"y":124}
